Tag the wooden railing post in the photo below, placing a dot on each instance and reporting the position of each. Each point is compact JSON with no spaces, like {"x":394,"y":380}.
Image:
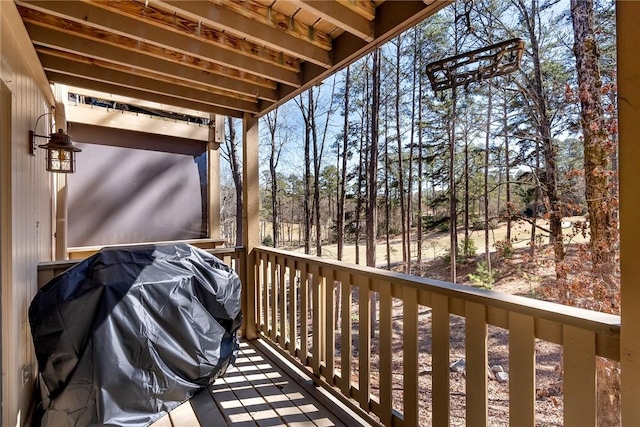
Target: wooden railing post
{"x":628,"y":80}
{"x":250,"y":216}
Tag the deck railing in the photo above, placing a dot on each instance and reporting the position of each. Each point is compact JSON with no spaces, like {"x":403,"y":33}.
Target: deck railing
{"x":376,"y":336}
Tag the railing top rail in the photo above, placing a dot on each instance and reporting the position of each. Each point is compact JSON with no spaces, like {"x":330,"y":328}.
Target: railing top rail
{"x":57,"y":264}
{"x":598,"y":322}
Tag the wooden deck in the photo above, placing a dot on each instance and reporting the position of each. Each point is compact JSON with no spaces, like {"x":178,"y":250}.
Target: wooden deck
{"x":258,"y":392}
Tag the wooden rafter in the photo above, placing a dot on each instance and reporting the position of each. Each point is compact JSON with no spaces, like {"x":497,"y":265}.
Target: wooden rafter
{"x":212,"y":75}
{"x":100,"y":19}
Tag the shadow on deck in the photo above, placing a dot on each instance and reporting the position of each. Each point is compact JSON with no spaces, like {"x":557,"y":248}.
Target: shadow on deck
{"x":261,"y":390}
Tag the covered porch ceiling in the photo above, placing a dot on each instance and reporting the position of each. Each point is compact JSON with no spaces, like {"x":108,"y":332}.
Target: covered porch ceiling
{"x":227,"y":57}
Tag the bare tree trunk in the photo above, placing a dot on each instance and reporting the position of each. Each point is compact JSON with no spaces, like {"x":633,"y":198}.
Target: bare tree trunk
{"x":372,"y":208}
{"x":548,"y":147}
{"x":236,"y":172}
{"x":487,"y":251}
{"x":387,"y":211}
{"x":597,"y":145}
{"x":272,"y":124}
{"x":317,"y":158}
{"x":601,"y":201}
{"x":307,"y":182}
{"x":420,"y":177}
{"x":466,"y":185}
{"x":453,"y":214}
{"x":342,"y":184}
{"x":507,"y":170}
{"x":401,"y":188}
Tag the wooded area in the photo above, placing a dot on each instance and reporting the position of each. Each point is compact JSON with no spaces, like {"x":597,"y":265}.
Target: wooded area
{"x":376,"y":153}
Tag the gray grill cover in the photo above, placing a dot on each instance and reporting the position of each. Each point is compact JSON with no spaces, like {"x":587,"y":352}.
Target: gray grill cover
{"x":130,"y":333}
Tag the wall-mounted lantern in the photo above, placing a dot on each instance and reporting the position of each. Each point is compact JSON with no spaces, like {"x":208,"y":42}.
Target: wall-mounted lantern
{"x":61,"y":153}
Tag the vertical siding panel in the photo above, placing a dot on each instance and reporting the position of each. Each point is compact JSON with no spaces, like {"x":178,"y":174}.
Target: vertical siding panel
{"x":26,"y":211}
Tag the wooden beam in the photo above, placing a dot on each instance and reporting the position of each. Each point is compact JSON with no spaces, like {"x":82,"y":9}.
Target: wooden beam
{"x":102,"y":19}
{"x":136,"y":122}
{"x":41,"y":36}
{"x":131,"y":80}
{"x":264,"y":31}
{"x":137,"y":102}
{"x":341,"y":16}
{"x":81,"y":82}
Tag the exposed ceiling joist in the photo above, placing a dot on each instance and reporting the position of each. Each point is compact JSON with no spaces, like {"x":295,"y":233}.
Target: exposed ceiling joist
{"x":227,"y":57}
{"x":287,"y":39}
{"x":93,"y":72}
{"x":111,"y":53}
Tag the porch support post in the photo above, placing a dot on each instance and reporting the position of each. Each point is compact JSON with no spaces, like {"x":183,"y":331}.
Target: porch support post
{"x":250,"y":218}
{"x":628,"y":32}
{"x":60,"y":181}
{"x":213,"y":156}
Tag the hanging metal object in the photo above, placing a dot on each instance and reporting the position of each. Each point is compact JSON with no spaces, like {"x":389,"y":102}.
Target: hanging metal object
{"x":475,"y":66}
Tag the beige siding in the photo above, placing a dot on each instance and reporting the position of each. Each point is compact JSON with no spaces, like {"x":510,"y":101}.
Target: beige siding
{"x":26,"y":207}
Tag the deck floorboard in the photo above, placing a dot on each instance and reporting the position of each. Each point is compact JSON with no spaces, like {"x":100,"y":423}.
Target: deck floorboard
{"x":253,"y":393}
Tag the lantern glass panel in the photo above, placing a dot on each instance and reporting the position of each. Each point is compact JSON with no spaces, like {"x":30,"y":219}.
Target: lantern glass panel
{"x":60,"y":160}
